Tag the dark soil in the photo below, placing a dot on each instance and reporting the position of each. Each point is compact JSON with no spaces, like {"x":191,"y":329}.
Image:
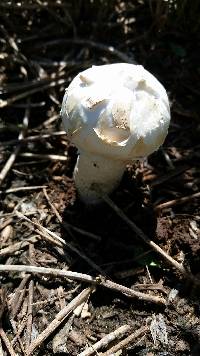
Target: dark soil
{"x":34,"y":53}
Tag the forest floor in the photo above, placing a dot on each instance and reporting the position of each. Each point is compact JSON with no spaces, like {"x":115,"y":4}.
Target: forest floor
{"x":137,"y":255}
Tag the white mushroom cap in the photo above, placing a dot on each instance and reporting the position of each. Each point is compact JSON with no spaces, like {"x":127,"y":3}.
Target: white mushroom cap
{"x":117,"y":111}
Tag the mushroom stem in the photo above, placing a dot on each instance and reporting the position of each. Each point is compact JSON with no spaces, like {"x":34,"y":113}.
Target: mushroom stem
{"x":92,"y":171}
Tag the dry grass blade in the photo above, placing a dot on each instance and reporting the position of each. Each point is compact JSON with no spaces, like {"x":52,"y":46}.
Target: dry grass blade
{"x":19,"y":332}
{"x":44,"y":229}
{"x":10,"y":250}
{"x":30,"y":315}
{"x":22,"y":189}
{"x":44,"y":156}
{"x":4,"y":103}
{"x":30,"y":6}
{"x":16,"y":151}
{"x":60,"y":242}
{"x":60,"y":317}
{"x":18,"y":297}
{"x":17,"y":336}
{"x":3,"y":335}
{"x":178,"y":201}
{"x":168,"y":176}
{"x":124,"y":343}
{"x":1,"y":349}
{"x":2,"y":302}
{"x":106,"y":340}
{"x":7,"y":342}
{"x":34,"y":138}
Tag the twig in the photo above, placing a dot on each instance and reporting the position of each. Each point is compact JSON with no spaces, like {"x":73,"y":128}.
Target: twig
{"x":27,"y":6}
{"x":122,"y":344}
{"x":17,"y":336}
{"x":149,"y":286}
{"x":59,"y":248}
{"x":44,"y":156}
{"x":61,"y":337}
{"x":48,"y":63}
{"x":67,"y":225}
{"x":101,"y":281}
{"x":13,"y":87}
{"x":22,"y":163}
{"x":31,"y":105}
{"x":7,"y":342}
{"x":3,"y":298}
{"x":61,"y":242}
{"x":19,"y":331}
{"x":167,"y":159}
{"x":13,"y":156}
{"x":131,"y":292}
{"x":19,"y":296}
{"x":60,"y":317}
{"x":30,"y":315}
{"x":50,"y":239}
{"x":149,"y":242}
{"x":129,"y":272}
{"x":168,"y":176}
{"x":10,"y":250}
{"x":10,"y":101}
{"x":105,"y":340}
{"x":1,"y":349}
{"x":34,"y":138}
{"x":44,"y":229}
{"x":83,"y":42}
{"x":21,"y":189}
{"x":48,"y":122}
{"x":179,"y":201}
{"x":6,"y":223}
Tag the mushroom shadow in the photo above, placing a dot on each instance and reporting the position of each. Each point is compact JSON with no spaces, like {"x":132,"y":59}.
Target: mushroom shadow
{"x":114,"y":247}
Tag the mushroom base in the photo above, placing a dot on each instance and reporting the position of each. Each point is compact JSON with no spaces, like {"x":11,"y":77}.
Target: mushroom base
{"x":94,"y":174}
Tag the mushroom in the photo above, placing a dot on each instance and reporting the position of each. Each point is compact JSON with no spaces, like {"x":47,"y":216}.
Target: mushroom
{"x":114,"y":114}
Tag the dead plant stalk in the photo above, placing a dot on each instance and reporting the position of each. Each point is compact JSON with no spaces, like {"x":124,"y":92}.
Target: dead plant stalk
{"x":101,"y":281}
{"x":149,"y":242}
{"x":106,"y":340}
